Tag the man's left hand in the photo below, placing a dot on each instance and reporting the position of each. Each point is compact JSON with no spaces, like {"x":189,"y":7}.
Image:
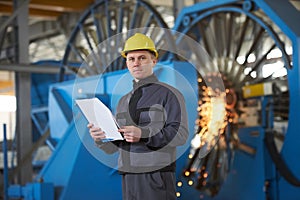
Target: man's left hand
{"x":131,"y":133}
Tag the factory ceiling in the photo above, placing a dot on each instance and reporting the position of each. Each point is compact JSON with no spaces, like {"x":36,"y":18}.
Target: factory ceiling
{"x":46,"y":8}
{"x":54,"y":8}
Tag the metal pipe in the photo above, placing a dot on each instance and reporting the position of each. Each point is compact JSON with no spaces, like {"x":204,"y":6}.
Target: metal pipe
{"x":4,"y":146}
{"x":47,"y":69}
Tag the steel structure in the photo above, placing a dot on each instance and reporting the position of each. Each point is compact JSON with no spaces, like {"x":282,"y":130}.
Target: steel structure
{"x":244,"y":41}
{"x":240,"y":37}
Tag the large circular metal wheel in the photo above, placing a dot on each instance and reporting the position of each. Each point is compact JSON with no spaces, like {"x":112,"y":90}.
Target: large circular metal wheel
{"x":246,"y":48}
{"x":101,"y":21}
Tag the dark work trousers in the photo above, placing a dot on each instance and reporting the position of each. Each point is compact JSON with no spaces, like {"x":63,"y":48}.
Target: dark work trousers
{"x":149,"y":186}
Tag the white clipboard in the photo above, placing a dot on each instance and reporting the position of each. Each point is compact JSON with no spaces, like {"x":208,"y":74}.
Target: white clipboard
{"x":99,"y":115}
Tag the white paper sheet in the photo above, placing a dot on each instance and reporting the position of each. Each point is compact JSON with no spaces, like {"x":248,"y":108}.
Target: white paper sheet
{"x":98,"y":114}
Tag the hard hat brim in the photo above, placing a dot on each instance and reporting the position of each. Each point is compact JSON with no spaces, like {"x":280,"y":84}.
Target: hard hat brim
{"x":154,"y":52}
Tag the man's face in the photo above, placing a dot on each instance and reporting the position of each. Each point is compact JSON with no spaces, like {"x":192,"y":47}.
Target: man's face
{"x":140,"y":64}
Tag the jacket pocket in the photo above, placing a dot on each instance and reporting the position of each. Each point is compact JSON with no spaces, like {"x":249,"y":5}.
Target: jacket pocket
{"x":151,"y":116}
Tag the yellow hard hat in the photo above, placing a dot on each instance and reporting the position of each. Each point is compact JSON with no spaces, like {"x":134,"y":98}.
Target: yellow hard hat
{"x":139,"y":41}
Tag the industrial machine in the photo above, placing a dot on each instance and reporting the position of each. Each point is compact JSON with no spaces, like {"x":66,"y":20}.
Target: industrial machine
{"x":237,"y":65}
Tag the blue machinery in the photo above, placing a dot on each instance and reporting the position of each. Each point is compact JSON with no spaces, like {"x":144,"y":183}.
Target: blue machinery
{"x":254,"y":156}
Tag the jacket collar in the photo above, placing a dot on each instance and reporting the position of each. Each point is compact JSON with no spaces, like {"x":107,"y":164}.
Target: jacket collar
{"x":146,"y":81}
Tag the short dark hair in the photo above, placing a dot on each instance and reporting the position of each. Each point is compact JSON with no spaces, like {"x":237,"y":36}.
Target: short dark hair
{"x":152,"y":52}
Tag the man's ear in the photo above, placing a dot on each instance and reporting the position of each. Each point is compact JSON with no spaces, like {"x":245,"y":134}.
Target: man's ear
{"x":154,"y":60}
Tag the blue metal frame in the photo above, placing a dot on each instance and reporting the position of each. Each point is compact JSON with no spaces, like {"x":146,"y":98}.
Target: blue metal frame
{"x":289,"y":25}
{"x":277,"y":11}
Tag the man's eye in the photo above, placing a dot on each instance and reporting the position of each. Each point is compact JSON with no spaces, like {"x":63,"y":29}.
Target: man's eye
{"x":142,"y":58}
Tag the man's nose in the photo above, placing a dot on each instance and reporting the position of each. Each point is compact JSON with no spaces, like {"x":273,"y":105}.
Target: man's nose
{"x":137,"y":62}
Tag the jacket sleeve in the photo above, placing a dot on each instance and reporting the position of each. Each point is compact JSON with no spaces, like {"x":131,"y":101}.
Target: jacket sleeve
{"x":108,"y":147}
{"x":174,"y":131}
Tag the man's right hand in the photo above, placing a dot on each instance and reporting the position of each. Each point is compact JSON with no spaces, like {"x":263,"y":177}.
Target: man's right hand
{"x":96,"y":133}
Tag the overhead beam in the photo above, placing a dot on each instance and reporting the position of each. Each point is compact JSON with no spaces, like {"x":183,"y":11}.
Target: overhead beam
{"x":54,"y":5}
{"x":33,"y":12}
{"x":40,"y":69}
{"x":61,"y":6}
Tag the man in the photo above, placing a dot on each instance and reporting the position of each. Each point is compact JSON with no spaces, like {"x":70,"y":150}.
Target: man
{"x":153,"y":122}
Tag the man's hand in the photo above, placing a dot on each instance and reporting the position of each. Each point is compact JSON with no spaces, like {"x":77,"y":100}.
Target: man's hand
{"x":131,"y":133}
{"x":96,"y":133}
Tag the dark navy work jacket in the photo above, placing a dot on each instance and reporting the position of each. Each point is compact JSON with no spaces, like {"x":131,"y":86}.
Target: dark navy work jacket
{"x":159,"y":110}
